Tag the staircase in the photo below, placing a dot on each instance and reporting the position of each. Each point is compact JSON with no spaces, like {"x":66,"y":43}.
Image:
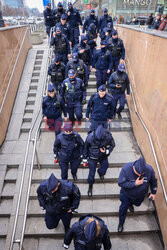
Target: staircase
{"x":141,"y":230}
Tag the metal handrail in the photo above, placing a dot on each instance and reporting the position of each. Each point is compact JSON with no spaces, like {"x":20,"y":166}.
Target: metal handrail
{"x":32,"y":161}
{"x":151,"y":144}
{"x":14,"y":67}
{"x":23,"y":172}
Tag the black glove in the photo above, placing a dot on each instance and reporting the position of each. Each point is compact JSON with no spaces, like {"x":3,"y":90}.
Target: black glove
{"x":84,"y":101}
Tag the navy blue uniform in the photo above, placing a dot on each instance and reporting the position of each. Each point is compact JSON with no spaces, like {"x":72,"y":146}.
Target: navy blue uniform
{"x":49,"y":20}
{"x":100,"y":109}
{"x":80,"y":70}
{"x":94,"y":155}
{"x":55,"y":205}
{"x":68,"y":148}
{"x":103,"y":34}
{"x":90,"y":19}
{"x":61,"y":47}
{"x":52,"y":108}
{"x":103,"y":22}
{"x":131,"y":194}
{"x":57,"y":73}
{"x":92,"y":36}
{"x":73,"y":93}
{"x":58,"y":13}
{"x":81,"y":242}
{"x":65,"y":29}
{"x":117,"y":49}
{"x":103,"y":62}
{"x":74,"y":20}
{"x":86,"y":55}
{"x":122,"y":79}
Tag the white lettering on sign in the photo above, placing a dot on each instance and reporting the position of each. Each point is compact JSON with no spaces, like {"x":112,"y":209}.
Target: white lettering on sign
{"x":138,"y":2}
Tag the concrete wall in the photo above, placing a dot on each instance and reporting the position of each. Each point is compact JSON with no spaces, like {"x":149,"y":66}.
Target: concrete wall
{"x":10,"y":44}
{"x":146,"y":57}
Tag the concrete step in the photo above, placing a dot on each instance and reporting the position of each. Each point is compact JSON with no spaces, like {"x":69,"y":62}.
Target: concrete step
{"x":32,"y":92}
{"x":37,"y":68}
{"x":33,"y":86}
{"x":27,"y":117}
{"x":30,"y":100}
{"x":25,"y":127}
{"x":29,"y":109}
{"x":35,"y":226}
{"x":34,"y":80}
{"x":96,"y":207}
{"x":35,"y":74}
{"x":146,"y":241}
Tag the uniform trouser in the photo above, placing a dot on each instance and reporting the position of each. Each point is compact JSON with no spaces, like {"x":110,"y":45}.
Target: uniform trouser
{"x":121,"y":98}
{"x":125,"y":203}
{"x":115,"y":63}
{"x":76,"y":109}
{"x":95,"y":124}
{"x":64,"y":168}
{"x":48,"y":29}
{"x":92,"y":168}
{"x":63,"y":57}
{"x":57,"y":86}
{"x":74,"y":35}
{"x":52,"y":221}
{"x":55,"y":125}
{"x":101,"y":76}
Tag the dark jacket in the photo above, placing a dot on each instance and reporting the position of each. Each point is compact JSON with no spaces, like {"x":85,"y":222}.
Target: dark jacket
{"x":103,"y":22}
{"x":127,"y":180}
{"x":91,"y":35}
{"x":65,"y":30}
{"x":92,"y":146}
{"x":68,"y":147}
{"x":102,"y":60}
{"x":103,"y":34}
{"x":100,"y":109}
{"x":57,"y":72}
{"x":150,"y":20}
{"x":52,"y":107}
{"x":86,"y":55}
{"x":116,"y":47}
{"x":90,"y":19}
{"x":156,"y":24}
{"x":61,"y":44}
{"x":58,"y":13}
{"x":80,"y":69}
{"x":66,"y":197}
{"x":49,"y":17}
{"x":118,"y":78}
{"x":74,"y":19}
{"x":72,"y":92}
{"x":80,"y":241}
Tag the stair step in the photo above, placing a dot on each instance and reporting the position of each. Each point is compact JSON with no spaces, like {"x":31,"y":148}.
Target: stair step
{"x":25,"y":127}
{"x":29,"y":109}
{"x":27,"y":117}
{"x":35,"y":226}
{"x":30,"y":100}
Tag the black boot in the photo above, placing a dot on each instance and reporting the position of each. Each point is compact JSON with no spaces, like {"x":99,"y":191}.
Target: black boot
{"x":101,"y":176}
{"x":90,"y":190}
{"x":119,"y":115}
{"x":131,"y":208}
{"x":66,"y":229}
{"x":120,"y":228}
{"x":74,"y":177}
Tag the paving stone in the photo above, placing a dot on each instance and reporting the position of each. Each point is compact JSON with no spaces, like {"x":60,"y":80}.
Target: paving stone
{"x":4,"y":226}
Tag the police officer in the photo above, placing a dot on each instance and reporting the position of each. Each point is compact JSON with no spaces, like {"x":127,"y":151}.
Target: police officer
{"x":68,"y":149}
{"x":103,"y":63}
{"x":135,"y":179}
{"x":74,"y":19}
{"x":107,"y":32}
{"x":61,"y":45}
{"x":118,"y":83}
{"x":116,"y":46}
{"x":52,"y":108}
{"x":84,"y":52}
{"x":98,"y":146}
{"x":90,"y":19}
{"x":57,"y":72}
{"x":65,"y":30}
{"x":79,"y":67}
{"x":92,"y":38}
{"x":100,"y":107}
{"x":58,"y":12}
{"x":104,"y":20}
{"x":89,"y":233}
{"x":49,"y":18}
{"x":73,"y":93}
{"x":59,"y":199}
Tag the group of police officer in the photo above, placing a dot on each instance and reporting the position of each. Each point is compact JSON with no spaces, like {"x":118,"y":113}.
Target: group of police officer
{"x":67,"y":94}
